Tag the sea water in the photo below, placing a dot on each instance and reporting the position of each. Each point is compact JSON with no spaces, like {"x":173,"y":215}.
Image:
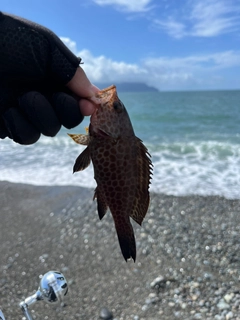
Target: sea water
{"x":193,"y":137}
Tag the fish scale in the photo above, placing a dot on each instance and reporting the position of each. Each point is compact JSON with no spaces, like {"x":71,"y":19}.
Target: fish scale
{"x":122,"y":166}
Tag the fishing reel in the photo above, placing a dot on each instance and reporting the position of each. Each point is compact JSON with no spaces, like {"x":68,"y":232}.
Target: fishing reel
{"x":52,"y":288}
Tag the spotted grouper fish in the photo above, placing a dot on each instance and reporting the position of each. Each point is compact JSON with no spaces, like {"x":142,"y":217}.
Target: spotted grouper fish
{"x":122,"y":166}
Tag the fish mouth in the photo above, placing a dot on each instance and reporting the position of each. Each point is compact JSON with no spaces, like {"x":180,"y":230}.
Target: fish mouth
{"x":104,"y":95}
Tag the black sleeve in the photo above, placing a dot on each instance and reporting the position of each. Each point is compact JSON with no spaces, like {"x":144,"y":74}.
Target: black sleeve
{"x":32,"y":53}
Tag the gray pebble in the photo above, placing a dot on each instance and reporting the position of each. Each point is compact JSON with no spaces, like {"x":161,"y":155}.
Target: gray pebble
{"x":219,"y":317}
{"x":228,"y":297}
{"x":157,"y":281}
{"x":222,"y":305}
{"x":105,"y":314}
{"x":229,"y":315}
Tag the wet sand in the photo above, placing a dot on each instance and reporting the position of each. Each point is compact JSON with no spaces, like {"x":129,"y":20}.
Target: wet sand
{"x":187,"y":267}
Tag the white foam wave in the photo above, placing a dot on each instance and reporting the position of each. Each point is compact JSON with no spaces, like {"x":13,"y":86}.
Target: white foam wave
{"x":207,"y":168}
{"x":45,"y":163}
{"x":204,"y":168}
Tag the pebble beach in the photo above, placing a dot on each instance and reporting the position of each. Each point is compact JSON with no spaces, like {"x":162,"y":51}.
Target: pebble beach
{"x":187,"y":266}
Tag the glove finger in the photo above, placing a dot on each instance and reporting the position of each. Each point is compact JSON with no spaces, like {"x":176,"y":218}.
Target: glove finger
{"x":67,"y":110}
{"x":3,"y":130}
{"x":19,"y":129}
{"x":40,"y":113}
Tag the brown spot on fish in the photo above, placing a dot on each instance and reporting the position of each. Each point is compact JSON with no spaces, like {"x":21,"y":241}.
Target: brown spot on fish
{"x":122,"y":167}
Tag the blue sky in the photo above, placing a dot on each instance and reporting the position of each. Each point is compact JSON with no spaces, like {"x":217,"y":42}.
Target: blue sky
{"x":168,"y":44}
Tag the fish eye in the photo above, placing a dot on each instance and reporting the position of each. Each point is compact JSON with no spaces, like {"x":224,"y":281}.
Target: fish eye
{"x":118,"y":106}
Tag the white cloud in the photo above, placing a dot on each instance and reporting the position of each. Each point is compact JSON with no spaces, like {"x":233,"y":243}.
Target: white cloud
{"x":172,"y":27}
{"x":164,"y":73}
{"x":192,"y":72}
{"x":203,"y":18}
{"x":127,"y":5}
{"x":211,"y":17}
{"x":103,"y":69}
{"x":217,"y":60}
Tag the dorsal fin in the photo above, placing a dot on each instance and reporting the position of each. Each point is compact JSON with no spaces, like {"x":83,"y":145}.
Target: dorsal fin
{"x":144,"y":172}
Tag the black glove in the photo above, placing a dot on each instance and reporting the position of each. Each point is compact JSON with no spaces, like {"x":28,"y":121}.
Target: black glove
{"x":35,"y":66}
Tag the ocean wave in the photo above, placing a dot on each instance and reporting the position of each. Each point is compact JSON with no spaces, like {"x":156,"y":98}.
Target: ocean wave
{"x":180,"y":168}
{"x":204,"y":168}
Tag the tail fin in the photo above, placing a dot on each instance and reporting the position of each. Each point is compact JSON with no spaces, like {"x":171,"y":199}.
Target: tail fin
{"x":126,"y":240}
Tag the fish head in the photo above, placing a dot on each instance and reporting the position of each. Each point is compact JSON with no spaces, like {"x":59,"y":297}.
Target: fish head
{"x":110,"y":118}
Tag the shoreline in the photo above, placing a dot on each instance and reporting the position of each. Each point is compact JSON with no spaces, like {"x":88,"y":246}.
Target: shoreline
{"x":187,"y":264}
{"x":85,"y":190}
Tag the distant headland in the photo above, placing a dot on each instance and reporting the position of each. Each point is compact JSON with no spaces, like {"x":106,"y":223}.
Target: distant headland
{"x":129,"y":87}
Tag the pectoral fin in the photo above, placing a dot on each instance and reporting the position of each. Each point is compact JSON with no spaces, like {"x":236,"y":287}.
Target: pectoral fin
{"x":82,"y":161}
{"x":83,"y":139}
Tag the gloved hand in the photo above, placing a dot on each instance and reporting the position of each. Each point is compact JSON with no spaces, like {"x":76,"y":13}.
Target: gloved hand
{"x":35,"y":67}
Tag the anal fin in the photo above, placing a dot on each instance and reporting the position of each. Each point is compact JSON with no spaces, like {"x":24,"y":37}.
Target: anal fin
{"x":126,"y":240}
{"x":101,"y":203}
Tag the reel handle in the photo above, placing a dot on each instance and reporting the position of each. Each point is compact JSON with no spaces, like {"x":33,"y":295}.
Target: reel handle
{"x":52,"y":288}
